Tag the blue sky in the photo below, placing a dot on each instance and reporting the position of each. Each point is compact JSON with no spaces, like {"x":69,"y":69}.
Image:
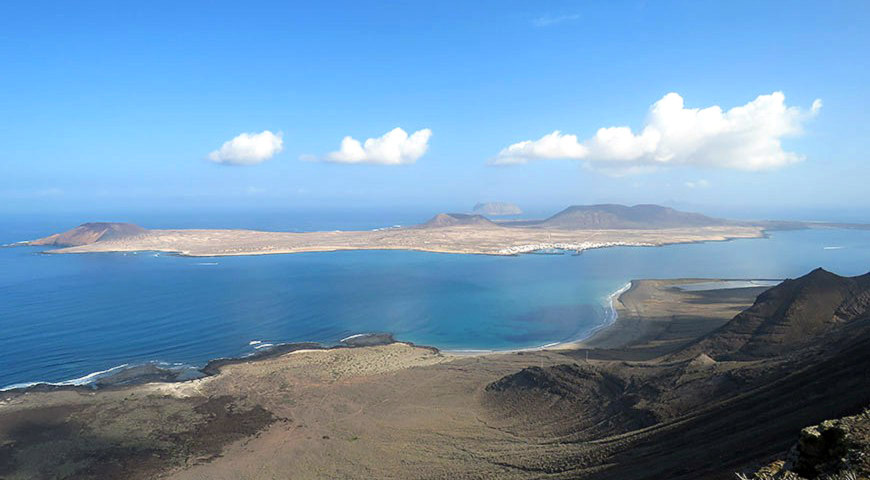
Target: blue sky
{"x":114,"y":106}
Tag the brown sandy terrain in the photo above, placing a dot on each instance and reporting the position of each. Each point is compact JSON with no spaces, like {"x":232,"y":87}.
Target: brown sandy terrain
{"x":623,"y":409}
{"x":654,"y":319}
{"x":480,"y":239}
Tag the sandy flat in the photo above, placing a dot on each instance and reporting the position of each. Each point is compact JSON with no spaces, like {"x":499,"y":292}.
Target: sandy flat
{"x":493,"y":240}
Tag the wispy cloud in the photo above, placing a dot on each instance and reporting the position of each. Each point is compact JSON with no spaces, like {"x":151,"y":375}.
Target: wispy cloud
{"x":549,"y":20}
{"x":698,"y":184}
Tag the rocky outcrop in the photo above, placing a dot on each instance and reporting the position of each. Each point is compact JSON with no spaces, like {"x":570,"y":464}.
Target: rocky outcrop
{"x":832,"y":450}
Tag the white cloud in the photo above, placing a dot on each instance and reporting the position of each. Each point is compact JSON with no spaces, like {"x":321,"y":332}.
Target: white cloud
{"x":547,"y":20}
{"x":747,"y":137}
{"x":248,"y":149}
{"x":393,"y":148}
{"x":554,"y":145}
{"x":698,"y":184}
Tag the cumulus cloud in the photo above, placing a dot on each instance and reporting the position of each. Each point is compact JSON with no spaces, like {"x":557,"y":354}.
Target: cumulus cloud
{"x":553,"y":145}
{"x":747,"y":137}
{"x":248,"y":149}
{"x":395,"y":147}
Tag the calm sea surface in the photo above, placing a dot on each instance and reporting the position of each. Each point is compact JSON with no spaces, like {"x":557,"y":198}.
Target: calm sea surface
{"x":64,"y":316}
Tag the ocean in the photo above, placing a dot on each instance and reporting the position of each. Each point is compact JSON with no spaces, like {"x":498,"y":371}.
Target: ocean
{"x":63,"y":317}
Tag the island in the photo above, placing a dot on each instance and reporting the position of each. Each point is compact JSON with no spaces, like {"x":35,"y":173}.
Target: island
{"x":576,"y":228}
{"x":497,"y":209}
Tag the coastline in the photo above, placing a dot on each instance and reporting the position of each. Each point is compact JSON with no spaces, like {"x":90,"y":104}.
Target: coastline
{"x":127,"y":375}
{"x":656,"y":316}
{"x":500,"y":241}
{"x":325,"y":409}
{"x":610,"y":320}
{"x":610,"y":317}
{"x":155,"y":371}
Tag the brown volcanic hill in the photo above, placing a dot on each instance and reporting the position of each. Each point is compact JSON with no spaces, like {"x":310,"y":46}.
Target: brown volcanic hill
{"x":612,"y":216}
{"x":88,"y":233}
{"x":799,"y":355}
{"x":789,"y":315}
{"x":597,"y":402}
{"x":457,"y":219}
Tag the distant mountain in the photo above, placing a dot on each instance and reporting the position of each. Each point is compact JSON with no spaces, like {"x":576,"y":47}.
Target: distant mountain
{"x":88,"y":233}
{"x":456,"y":219}
{"x":788,"y":316}
{"x":497,"y":208}
{"x":612,"y":216}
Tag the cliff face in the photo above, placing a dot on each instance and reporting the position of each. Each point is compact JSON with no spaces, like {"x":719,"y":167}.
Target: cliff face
{"x":88,"y":233}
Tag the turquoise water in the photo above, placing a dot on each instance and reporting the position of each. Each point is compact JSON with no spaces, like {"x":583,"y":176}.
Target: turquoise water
{"x":64,"y":316}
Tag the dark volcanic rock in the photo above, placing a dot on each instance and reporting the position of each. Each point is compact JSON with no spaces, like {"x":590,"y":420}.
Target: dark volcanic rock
{"x":833,"y":449}
{"x":78,"y":442}
{"x":789,"y":315}
{"x":369,"y":339}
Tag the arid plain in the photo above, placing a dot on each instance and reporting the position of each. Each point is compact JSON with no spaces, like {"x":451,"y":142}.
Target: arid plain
{"x":494,"y":240}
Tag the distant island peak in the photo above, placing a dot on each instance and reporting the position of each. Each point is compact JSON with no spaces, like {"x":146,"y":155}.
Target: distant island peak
{"x":497,"y":209}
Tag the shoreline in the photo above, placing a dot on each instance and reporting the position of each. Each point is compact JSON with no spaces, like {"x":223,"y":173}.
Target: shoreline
{"x":503,"y":252}
{"x":381,"y":411}
{"x":611,"y":315}
{"x":499,"y":241}
{"x":165,"y":372}
{"x":157,"y":371}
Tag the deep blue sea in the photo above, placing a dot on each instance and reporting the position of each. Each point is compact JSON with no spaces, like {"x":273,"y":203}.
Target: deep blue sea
{"x":64,"y":316}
